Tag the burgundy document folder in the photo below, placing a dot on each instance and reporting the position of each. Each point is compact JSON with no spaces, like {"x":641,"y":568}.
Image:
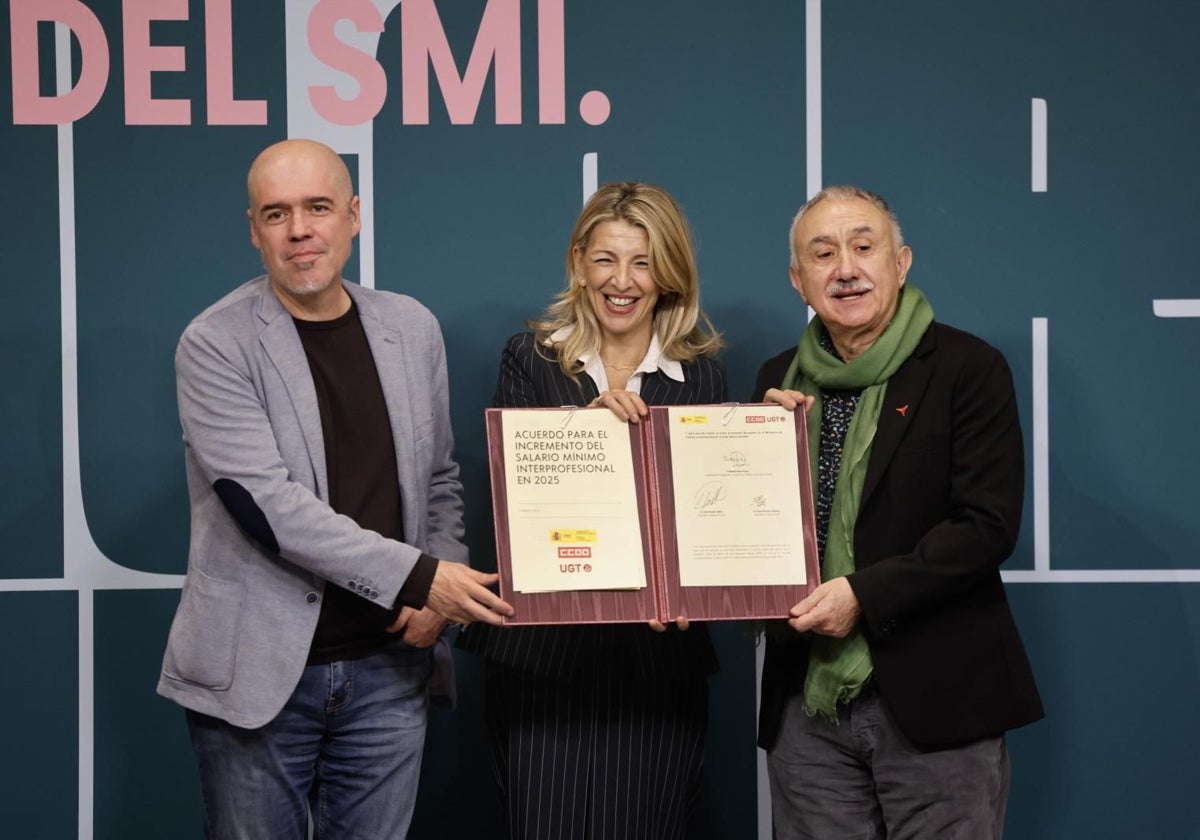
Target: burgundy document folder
{"x":663,"y":598}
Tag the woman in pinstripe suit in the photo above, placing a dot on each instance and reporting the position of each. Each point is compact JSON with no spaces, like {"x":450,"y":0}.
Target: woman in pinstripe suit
{"x":597,"y":731}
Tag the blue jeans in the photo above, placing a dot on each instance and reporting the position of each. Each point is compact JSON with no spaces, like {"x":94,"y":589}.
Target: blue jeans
{"x":347,"y":745}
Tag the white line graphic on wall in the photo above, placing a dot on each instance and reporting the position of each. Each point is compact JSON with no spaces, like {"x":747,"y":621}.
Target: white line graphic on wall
{"x":1177,"y":308}
{"x":1041,"y":445}
{"x":1042,"y":572}
{"x":591,"y":175}
{"x":812,"y":96}
{"x":1039,"y":148}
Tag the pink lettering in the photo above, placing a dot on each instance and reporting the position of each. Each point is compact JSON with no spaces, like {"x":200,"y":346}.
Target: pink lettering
{"x":594,"y":107}
{"x":497,"y":45}
{"x":552,"y":73}
{"x":142,"y":59}
{"x":29,"y":106}
{"x":329,"y":50}
{"x":424,"y":42}
{"x":223,"y":109}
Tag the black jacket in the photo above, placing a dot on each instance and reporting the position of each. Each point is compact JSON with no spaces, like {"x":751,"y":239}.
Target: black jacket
{"x":941,"y":506}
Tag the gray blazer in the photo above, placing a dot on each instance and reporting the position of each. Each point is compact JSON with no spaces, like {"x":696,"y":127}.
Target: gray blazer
{"x":251,"y":427}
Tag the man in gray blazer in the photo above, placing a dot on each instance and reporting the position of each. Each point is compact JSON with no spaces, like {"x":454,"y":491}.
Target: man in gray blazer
{"x":326,"y":554}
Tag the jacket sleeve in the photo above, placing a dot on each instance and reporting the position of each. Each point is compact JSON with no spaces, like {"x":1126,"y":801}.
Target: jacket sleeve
{"x":233,"y":447}
{"x":529,"y":380}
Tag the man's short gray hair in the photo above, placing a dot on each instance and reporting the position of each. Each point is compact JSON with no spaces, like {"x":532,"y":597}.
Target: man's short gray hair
{"x":843,"y":192}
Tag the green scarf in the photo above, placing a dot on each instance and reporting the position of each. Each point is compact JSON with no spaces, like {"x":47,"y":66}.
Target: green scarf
{"x":838,"y":668}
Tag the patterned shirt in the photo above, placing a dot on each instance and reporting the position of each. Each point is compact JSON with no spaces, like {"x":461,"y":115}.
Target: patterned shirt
{"x":837,"y":410}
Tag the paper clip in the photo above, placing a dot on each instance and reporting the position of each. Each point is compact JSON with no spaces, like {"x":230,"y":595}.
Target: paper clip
{"x":570,"y":414}
{"x":729,"y":414}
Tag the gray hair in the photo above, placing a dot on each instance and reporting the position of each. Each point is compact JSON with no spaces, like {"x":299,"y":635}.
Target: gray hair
{"x":843,"y":192}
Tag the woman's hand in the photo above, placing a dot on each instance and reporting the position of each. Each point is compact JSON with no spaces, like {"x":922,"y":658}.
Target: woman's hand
{"x":658,"y":627}
{"x":788,"y":399}
{"x":625,"y":404}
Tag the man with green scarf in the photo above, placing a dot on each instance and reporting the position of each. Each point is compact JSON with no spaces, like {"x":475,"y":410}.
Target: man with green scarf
{"x":887,"y":693}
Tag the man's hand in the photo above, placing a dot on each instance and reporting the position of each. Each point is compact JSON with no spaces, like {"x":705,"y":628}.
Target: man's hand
{"x":831,"y":610}
{"x":658,"y":627}
{"x":420,"y":628}
{"x":788,"y":399}
{"x":625,"y":404}
{"x":459,"y":593}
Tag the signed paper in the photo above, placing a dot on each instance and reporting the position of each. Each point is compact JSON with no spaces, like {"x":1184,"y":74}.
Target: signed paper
{"x":572,"y":501}
{"x":737,"y":496}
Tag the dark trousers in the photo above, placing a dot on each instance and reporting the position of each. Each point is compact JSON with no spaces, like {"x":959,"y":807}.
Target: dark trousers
{"x":861,"y":779}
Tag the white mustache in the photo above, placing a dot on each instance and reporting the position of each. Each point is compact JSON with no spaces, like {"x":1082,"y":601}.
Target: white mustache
{"x":848,"y":287}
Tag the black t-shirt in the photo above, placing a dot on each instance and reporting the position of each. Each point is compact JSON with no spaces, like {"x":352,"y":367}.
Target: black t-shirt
{"x":360,"y":460}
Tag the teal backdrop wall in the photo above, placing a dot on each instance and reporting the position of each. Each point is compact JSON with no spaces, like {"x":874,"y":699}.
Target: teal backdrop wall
{"x":1041,"y":156}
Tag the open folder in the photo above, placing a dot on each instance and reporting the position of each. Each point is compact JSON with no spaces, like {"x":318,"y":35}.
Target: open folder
{"x":704,"y":512}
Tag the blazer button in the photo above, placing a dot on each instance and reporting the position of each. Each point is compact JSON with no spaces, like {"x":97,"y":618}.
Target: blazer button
{"x":312,"y":597}
{"x":350,"y":585}
{"x":373,"y":594}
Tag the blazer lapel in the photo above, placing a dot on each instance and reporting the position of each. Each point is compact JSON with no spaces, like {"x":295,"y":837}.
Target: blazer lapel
{"x":566,"y":392}
{"x":590,"y":391}
{"x":282,"y":345}
{"x":391,"y":363}
{"x":660,"y":389}
{"x":901,"y":400}
{"x":580,"y":395}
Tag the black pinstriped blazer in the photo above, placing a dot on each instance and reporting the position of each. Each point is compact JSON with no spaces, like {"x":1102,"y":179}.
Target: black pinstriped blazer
{"x":530,"y":380}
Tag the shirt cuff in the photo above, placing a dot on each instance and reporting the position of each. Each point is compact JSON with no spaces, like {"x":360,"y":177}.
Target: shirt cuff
{"x":416,"y":586}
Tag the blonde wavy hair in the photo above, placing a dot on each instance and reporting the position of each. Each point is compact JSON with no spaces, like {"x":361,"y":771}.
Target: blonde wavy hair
{"x":684,"y":331}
